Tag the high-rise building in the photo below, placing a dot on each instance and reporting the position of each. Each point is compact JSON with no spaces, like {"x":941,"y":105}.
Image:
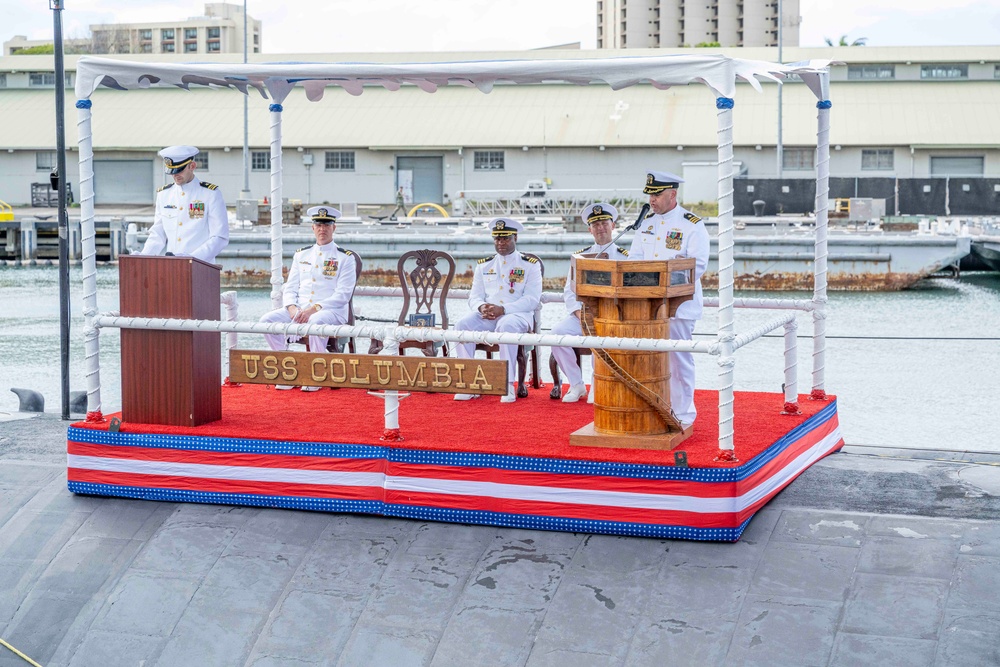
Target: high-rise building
{"x":651,"y":24}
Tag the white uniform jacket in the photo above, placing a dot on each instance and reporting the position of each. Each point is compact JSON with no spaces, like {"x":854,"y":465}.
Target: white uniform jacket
{"x":321,"y":274}
{"x":190,"y":219}
{"x":678,"y":233}
{"x":569,"y":289}
{"x":514,"y":282}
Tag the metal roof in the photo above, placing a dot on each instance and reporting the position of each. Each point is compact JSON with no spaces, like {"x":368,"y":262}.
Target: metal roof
{"x":960,"y":113}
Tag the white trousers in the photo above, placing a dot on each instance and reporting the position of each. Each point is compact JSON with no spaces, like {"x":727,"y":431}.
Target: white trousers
{"x":509,"y":323}
{"x":316,"y":343}
{"x":565,"y":356}
{"x":682,"y":373}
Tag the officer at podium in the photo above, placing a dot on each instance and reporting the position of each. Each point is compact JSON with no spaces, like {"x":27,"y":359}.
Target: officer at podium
{"x":600,"y":219}
{"x":506,"y":290}
{"x":190,"y":216}
{"x":673,"y":232}
{"x":320,"y":284}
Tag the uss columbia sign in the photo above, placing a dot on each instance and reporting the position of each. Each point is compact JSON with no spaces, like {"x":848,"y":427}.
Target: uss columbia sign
{"x":366,"y":371}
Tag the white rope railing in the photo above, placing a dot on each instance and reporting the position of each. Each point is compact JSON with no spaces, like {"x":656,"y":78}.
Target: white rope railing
{"x":232,"y":306}
{"x":276,"y":206}
{"x":820,"y":266}
{"x":791,"y":384}
{"x":726,"y":245}
{"x":759,"y":331}
{"x":91,"y":336}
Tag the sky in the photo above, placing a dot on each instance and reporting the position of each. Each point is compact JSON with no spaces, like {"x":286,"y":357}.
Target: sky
{"x":332,"y":26}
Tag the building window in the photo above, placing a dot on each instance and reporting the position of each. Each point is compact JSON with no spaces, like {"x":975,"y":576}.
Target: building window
{"x":871,"y":72}
{"x":46,"y":79}
{"x":167,"y":34}
{"x":487,"y":160}
{"x":213,"y":47}
{"x":957,"y":166}
{"x":167,"y":47}
{"x":996,"y":71}
{"x":191,"y":47}
{"x":944,"y":71}
{"x":3,"y":80}
{"x":260,"y":161}
{"x":340,"y":160}
{"x":146,"y":35}
{"x":202,"y":160}
{"x":877,"y":159}
{"x":145,"y":48}
{"x":45,"y":160}
{"x":798,"y":158}
{"x":190,"y":33}
{"x":213,"y":33}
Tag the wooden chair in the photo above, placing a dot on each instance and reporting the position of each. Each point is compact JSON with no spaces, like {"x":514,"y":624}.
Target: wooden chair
{"x":429,"y":299}
{"x":524,"y":352}
{"x":336,"y":345}
{"x":554,"y":370}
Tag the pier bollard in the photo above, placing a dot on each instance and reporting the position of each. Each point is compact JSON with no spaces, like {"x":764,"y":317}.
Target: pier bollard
{"x":29,"y":240}
{"x":116,"y":240}
{"x":75,"y":246}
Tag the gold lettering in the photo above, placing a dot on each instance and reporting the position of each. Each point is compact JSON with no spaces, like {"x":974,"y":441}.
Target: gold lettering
{"x":442,"y":375}
{"x":343,"y":371}
{"x":247,"y":358}
{"x":354,"y":373}
{"x":270,"y":365}
{"x":379,"y":365}
{"x":476,"y":384}
{"x":290,"y":371}
{"x":322,"y":365}
{"x":460,"y":383}
{"x":416,"y":380}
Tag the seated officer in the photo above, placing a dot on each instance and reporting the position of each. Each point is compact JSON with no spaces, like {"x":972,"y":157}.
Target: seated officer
{"x":319,"y":286}
{"x":190,"y":215}
{"x":600,"y":219}
{"x":506,"y":290}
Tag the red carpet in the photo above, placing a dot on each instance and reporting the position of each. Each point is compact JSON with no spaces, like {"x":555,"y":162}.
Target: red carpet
{"x":536,"y":426}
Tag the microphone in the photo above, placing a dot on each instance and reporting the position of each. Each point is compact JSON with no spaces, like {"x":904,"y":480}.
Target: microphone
{"x":643,"y":212}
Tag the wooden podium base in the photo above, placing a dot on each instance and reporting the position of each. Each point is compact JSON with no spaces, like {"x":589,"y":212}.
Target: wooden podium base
{"x":588,"y":437}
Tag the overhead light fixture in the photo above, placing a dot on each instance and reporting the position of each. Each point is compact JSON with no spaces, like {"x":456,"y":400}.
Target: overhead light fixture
{"x":226,"y":149}
{"x":300,"y":149}
{"x":601,"y":147}
{"x":757,"y":147}
{"x":680,"y":148}
{"x":524,"y":148}
{"x":837,"y":147}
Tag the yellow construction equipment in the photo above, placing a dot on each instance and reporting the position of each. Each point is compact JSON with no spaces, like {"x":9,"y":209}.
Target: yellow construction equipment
{"x":6,"y":212}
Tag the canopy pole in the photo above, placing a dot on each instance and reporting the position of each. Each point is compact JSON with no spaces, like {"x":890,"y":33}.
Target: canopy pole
{"x":726,"y":333}
{"x":91,"y":334}
{"x":276,"y":207}
{"x":819,"y":266}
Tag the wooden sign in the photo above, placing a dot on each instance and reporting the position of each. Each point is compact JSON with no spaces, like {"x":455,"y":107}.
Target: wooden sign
{"x":443,"y":375}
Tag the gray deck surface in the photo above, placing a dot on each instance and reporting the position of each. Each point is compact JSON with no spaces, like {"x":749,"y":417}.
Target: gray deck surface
{"x":866,"y":559}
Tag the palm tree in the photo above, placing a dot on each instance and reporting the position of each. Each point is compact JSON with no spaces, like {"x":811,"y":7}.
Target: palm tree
{"x":860,"y":41}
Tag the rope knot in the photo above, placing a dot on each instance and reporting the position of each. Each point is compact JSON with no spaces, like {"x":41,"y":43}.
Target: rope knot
{"x":84,"y":104}
{"x":276,"y":108}
{"x":824,"y":104}
{"x":724,"y":103}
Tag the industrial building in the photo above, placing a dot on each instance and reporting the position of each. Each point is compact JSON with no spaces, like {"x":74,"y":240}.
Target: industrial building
{"x":898,"y":113}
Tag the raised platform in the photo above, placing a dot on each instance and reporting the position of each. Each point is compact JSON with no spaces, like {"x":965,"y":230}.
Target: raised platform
{"x":467,"y":462}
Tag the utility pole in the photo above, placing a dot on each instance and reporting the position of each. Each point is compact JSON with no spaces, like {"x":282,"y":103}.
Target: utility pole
{"x":58,"y":180}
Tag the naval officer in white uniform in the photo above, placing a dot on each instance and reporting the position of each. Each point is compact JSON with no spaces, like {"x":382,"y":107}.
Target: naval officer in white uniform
{"x":600,"y":219}
{"x":506,"y":290}
{"x":673,"y":232}
{"x":190,"y":217}
{"x":319,"y":287}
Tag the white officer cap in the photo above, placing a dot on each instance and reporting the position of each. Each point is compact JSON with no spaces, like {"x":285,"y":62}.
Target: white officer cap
{"x":323,"y":215}
{"x":599,"y":212}
{"x":505,"y":227}
{"x":658,"y":181}
{"x":175,"y":158}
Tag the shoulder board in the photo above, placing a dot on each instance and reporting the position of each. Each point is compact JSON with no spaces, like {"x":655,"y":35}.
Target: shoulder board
{"x":484,"y":259}
{"x":692,"y":217}
{"x":530,"y":260}
{"x":580,"y":252}
{"x":210,"y":186}
{"x":168,"y":185}
{"x":623,"y":251}
{"x":346,"y":252}
{"x":305,"y":247}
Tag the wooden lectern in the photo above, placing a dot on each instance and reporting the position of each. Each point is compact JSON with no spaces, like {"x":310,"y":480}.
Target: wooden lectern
{"x":631,"y":388}
{"x":170,"y":377}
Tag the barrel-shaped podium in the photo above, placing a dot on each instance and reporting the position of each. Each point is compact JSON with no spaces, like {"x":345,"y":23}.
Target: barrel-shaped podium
{"x":631,"y":299}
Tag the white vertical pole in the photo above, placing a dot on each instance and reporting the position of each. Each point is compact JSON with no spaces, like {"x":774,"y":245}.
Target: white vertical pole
{"x":91,"y":335}
{"x":231,"y":303}
{"x":726,"y":329}
{"x":276,"y":207}
{"x":791,"y":370}
{"x":820,"y":270}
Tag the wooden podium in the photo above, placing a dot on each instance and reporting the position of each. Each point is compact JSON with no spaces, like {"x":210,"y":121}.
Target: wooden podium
{"x":634,"y":299}
{"x":170,"y":377}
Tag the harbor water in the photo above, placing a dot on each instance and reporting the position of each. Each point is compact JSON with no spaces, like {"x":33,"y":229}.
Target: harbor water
{"x":910,"y":369}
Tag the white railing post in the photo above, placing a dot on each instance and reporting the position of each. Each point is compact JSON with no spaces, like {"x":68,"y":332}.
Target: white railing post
{"x":791,"y":385}
{"x":232,"y":306}
{"x":276,"y":206}
{"x":91,"y":334}
{"x":726,"y":321}
{"x":820,"y":267}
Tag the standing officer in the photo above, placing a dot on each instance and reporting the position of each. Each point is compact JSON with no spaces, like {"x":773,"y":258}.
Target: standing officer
{"x":319,"y":287}
{"x":600,"y":219}
{"x":671,"y":233}
{"x":190,"y":217}
{"x":506,"y":290}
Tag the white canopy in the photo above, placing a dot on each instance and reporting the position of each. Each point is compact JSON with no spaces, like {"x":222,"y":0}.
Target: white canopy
{"x":720,"y":73}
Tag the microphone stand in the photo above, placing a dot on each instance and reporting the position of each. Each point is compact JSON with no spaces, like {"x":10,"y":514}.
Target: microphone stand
{"x":643,"y":212}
